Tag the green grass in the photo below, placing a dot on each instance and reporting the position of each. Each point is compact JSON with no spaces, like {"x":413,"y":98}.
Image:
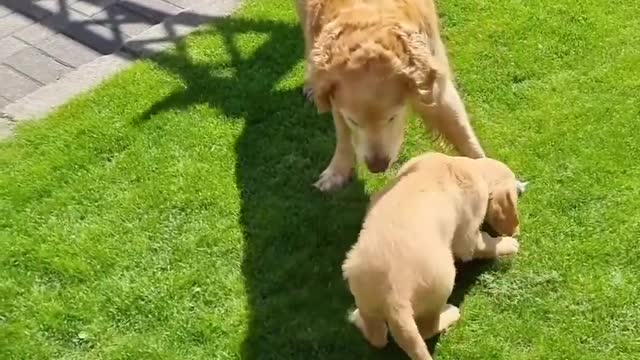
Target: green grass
{"x":169,"y":214}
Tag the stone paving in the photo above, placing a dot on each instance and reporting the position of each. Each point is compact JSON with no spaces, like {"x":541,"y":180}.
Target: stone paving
{"x":51,"y":50}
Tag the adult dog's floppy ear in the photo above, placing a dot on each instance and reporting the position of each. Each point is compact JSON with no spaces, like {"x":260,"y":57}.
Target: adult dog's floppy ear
{"x":323,"y":88}
{"x":502,"y":211}
{"x":320,"y":61}
{"x":423,"y":70}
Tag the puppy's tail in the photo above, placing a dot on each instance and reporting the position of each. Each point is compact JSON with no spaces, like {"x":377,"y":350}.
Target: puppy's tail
{"x":405,"y":332}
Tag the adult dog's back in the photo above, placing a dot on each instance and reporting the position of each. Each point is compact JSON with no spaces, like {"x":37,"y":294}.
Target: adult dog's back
{"x":368,"y":61}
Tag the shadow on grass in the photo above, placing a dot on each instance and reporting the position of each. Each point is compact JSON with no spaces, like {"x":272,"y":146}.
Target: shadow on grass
{"x":295,"y":237}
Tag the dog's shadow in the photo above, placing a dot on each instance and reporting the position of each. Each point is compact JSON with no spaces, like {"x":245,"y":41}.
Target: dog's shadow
{"x":295,"y":238}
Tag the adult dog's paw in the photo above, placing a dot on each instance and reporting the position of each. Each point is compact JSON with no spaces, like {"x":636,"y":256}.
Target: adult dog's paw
{"x":331,"y":180}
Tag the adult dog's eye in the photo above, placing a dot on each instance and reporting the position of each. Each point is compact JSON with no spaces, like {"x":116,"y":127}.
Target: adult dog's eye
{"x":392,"y":118}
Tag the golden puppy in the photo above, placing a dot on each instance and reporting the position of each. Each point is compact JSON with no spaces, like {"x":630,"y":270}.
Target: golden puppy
{"x":401,"y":271}
{"x":367,"y":61}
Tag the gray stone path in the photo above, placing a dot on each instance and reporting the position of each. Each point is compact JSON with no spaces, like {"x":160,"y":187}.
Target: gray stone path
{"x":51,"y":50}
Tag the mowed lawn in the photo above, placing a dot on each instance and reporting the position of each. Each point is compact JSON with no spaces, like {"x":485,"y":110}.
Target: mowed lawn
{"x":169,"y":214}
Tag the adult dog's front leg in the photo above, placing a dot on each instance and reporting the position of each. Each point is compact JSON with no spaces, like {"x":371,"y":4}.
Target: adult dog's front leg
{"x":449,"y":118}
{"x":447,"y":115}
{"x":340,"y":169}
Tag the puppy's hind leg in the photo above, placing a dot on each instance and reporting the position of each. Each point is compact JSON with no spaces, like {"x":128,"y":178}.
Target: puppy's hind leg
{"x":405,"y":331}
{"x":373,"y":328}
{"x":431,"y":326}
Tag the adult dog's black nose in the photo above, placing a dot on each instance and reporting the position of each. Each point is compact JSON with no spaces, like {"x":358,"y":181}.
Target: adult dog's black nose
{"x":377,"y":164}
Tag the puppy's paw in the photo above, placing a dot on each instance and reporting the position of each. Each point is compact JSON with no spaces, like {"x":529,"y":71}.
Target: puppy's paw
{"x":464,"y":258}
{"x":355,"y":319}
{"x":449,"y":316}
{"x":332,"y":180}
{"x":377,"y":337}
{"x":507,"y":246}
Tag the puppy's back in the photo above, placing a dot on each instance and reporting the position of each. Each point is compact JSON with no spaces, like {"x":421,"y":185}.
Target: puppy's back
{"x":403,"y":249}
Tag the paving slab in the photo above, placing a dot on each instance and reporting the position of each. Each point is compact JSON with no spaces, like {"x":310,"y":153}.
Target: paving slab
{"x":9,"y":46}
{"x":37,"y":9}
{"x":68,"y":50}
{"x":127,"y":21}
{"x":15,"y":85}
{"x":91,"y":7}
{"x":4,"y":102}
{"x":4,"y":10}
{"x":35,"y":33}
{"x":157,"y":10}
{"x":6,"y":127}
{"x":103,"y":37}
{"x":38,"y":103}
{"x":50,"y":53}
{"x":13,"y":22}
{"x":37,"y":65}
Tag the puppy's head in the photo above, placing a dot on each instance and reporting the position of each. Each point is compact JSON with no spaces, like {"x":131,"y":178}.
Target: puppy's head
{"x":502,"y":217}
{"x":366,"y":75}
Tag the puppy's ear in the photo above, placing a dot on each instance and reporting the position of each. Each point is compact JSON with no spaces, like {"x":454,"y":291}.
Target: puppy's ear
{"x":423,"y":70}
{"x":502,"y":211}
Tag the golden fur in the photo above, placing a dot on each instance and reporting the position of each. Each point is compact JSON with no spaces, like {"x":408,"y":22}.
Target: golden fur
{"x":367,"y":61}
{"x":401,"y":271}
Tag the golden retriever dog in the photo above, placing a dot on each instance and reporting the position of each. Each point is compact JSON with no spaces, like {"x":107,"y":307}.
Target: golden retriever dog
{"x":369,"y":61}
{"x":401,"y":270}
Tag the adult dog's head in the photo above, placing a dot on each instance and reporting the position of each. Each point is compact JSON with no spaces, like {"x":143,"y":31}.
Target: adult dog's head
{"x":366,"y":72}
{"x":502,"y":217}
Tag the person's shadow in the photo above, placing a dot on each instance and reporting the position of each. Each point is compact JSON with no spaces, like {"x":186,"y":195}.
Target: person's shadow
{"x":295,"y":238}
